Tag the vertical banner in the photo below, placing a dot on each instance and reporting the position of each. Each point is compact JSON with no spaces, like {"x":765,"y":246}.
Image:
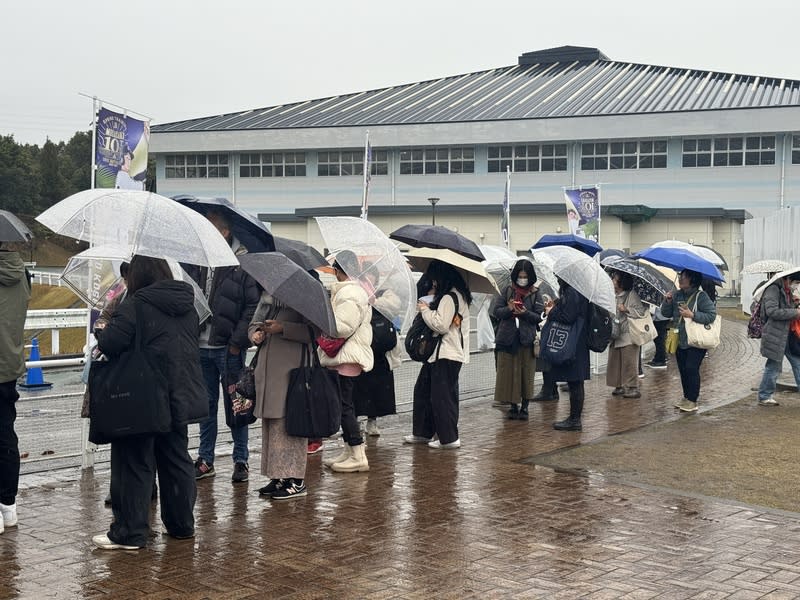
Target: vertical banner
{"x":120,"y":151}
{"x":504,"y":222}
{"x":583,"y":212}
{"x":367,"y":177}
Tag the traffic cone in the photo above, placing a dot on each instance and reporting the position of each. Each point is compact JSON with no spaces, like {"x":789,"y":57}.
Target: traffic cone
{"x":34,"y":379}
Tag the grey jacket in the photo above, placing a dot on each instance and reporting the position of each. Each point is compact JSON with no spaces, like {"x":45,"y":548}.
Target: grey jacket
{"x":779,"y":314}
{"x":704,"y":311}
{"x":15,"y":292}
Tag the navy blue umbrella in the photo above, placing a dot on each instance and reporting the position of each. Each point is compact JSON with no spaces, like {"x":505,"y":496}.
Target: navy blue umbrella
{"x":589,"y":247}
{"x":246,"y":228}
{"x":680,"y":259}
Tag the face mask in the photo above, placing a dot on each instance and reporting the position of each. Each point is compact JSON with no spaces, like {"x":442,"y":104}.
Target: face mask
{"x":522,"y":281}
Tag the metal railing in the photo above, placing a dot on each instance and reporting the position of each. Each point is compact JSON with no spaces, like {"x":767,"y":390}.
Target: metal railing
{"x":45,"y":278}
{"x":53,"y":320}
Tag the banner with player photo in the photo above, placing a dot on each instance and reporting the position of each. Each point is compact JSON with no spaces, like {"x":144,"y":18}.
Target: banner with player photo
{"x":121,"y":151}
{"x":583,"y":212}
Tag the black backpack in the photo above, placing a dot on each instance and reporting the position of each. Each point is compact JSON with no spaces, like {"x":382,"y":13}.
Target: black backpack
{"x":384,"y":335}
{"x":421,"y":341}
{"x":599,"y":328}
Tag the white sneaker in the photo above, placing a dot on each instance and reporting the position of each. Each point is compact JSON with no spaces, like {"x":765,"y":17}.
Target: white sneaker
{"x":416,"y":439}
{"x":372,"y":427}
{"x":9,"y":515}
{"x":768,"y":402}
{"x":438,"y":444}
{"x":102,"y":541}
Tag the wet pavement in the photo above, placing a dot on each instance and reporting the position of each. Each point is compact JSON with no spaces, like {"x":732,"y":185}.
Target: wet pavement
{"x":478,"y":522}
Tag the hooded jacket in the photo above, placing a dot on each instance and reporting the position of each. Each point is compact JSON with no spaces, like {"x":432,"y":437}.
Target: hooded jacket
{"x":15,"y":292}
{"x":353,"y":321}
{"x":170,"y":331}
{"x":779,"y":314}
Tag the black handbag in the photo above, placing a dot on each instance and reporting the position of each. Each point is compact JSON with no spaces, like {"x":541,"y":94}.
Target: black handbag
{"x":128,"y":395}
{"x":313,"y":399}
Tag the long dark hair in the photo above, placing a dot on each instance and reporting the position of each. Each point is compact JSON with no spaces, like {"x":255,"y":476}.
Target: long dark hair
{"x":447,"y":277}
{"x":523,"y":264}
{"x":145,"y":270}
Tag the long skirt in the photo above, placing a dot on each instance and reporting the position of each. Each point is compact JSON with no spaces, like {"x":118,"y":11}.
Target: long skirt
{"x":282,"y":455}
{"x":623,"y":367}
{"x":515,"y":376}
{"x":373,"y":392}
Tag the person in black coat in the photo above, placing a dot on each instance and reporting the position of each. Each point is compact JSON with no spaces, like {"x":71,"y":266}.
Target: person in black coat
{"x":170,"y":331}
{"x":567,"y":309}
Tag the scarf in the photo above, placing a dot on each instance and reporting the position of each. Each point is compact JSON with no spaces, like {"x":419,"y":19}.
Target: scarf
{"x":521,"y":292}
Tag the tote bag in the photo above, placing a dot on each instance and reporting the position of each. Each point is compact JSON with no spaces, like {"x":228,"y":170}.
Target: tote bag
{"x":703,"y":335}
{"x":128,"y":395}
{"x":313,"y":399}
{"x":642,"y":330}
{"x":559,"y":342}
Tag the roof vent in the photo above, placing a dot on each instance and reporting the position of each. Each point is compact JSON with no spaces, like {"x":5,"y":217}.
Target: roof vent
{"x":561,"y":54}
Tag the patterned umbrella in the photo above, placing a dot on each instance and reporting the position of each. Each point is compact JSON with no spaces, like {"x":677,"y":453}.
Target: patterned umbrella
{"x":767,"y":266}
{"x":649,"y":283}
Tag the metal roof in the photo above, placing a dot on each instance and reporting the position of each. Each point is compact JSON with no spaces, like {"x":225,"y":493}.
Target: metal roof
{"x":563,"y":82}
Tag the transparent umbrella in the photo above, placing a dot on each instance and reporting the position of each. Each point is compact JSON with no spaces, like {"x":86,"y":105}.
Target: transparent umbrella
{"x":148,"y":224}
{"x":500,"y":261}
{"x":94,"y":276}
{"x":393,"y":292}
{"x":580,"y":271}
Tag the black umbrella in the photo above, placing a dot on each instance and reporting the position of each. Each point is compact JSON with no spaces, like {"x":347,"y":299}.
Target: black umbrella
{"x":649,"y":283}
{"x":293,"y":286}
{"x":299,"y":252}
{"x":12,"y":229}
{"x":608,"y":252}
{"x":246,"y":228}
{"x":436,"y":236}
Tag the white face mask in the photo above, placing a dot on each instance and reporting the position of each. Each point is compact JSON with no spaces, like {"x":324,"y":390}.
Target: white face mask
{"x":522,"y":281}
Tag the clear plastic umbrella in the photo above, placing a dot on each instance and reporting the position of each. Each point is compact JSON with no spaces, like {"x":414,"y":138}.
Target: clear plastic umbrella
{"x":148,"y":224}
{"x":767,"y":266}
{"x":394,"y":294}
{"x":500,"y":261}
{"x":582,"y":272}
{"x":94,"y":276}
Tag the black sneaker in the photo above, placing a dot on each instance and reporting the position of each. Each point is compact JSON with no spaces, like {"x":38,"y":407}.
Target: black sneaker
{"x":568,"y":424}
{"x":656,"y":365}
{"x":273,"y":486}
{"x":291,"y":489}
{"x":202,"y":469}
{"x":241,"y":472}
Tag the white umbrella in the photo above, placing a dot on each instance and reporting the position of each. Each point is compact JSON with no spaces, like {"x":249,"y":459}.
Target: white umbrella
{"x":500,"y":262}
{"x":395,"y":294}
{"x":94,"y":276}
{"x":767,"y":266}
{"x":148,"y":224}
{"x":712,"y":256}
{"x":473,"y":272}
{"x":582,"y":272}
{"x":777,"y":277}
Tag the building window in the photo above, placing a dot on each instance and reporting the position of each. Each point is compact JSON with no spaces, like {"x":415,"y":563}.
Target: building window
{"x":602,"y":156}
{"x":428,"y":161}
{"x":351,"y":162}
{"x":273,"y":164}
{"x":729,"y":151}
{"x":195,"y":166}
{"x":530,"y":157}
{"x":796,"y":149}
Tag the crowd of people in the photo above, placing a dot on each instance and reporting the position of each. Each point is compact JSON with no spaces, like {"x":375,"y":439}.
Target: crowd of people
{"x":201,"y":363}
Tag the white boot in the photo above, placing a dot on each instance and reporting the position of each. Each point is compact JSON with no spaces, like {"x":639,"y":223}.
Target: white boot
{"x":8,"y":515}
{"x":356,"y":463}
{"x":330,"y":460}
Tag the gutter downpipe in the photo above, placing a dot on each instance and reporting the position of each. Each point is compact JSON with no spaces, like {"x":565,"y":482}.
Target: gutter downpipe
{"x":783,"y":171}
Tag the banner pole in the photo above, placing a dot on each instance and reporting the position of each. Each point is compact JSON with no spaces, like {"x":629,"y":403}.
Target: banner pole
{"x":367,"y":167}
{"x":94,"y":141}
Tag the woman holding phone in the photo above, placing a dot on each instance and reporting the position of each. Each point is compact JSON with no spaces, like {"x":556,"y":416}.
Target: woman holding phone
{"x":518,"y":312}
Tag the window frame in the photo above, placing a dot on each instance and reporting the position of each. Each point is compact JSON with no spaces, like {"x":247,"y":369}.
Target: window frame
{"x":437,"y":160}
{"x":273,"y":164}
{"x":624,"y":154}
{"x":528,"y":155}
{"x":197,"y":166}
{"x":355,"y":163}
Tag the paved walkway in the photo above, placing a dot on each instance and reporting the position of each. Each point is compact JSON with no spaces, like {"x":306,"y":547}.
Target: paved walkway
{"x":479,"y":522}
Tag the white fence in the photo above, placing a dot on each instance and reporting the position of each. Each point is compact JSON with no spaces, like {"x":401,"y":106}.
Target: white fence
{"x":45,"y":278}
{"x":53,"y":320}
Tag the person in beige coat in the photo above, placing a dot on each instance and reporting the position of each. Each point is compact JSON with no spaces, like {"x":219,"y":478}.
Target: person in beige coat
{"x":623,"y":354}
{"x":353,"y":314}
{"x":282,"y":335}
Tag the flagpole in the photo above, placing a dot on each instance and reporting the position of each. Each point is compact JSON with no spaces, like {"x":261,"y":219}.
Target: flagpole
{"x":506,"y":227}
{"x":94,"y":140}
{"x":367,"y":166}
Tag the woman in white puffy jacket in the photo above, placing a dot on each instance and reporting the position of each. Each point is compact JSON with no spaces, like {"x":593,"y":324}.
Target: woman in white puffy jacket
{"x":353,"y":314}
{"x":436,"y":390}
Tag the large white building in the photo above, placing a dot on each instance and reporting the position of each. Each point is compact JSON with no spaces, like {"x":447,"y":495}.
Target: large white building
{"x":679,"y":153}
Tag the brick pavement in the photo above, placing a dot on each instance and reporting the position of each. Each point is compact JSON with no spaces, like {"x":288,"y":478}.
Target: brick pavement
{"x":479,"y":522}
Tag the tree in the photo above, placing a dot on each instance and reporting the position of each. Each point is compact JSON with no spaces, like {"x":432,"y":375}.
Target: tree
{"x":52,"y":180}
{"x":19,"y":177}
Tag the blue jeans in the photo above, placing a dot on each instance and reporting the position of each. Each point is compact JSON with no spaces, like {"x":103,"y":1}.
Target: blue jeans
{"x":772,"y":369}
{"x":215,"y":364}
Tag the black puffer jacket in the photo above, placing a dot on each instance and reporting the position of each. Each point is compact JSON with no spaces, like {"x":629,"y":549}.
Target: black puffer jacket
{"x":233,"y":300}
{"x":170,"y":333}
{"x":509,"y":335}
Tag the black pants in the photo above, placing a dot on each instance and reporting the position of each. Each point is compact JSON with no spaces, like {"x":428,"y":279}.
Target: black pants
{"x":436,"y":400}
{"x":576,"y":395}
{"x":689,"y":360}
{"x":133,"y":468}
{"x":549,"y":387}
{"x":660,"y":341}
{"x":350,"y":430}
{"x":9,"y":444}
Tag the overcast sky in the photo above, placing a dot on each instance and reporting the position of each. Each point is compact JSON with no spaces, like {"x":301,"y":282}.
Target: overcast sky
{"x":179,"y":59}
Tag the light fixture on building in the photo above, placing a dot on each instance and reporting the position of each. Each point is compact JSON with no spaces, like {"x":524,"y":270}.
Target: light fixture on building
{"x":433,"y":202}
